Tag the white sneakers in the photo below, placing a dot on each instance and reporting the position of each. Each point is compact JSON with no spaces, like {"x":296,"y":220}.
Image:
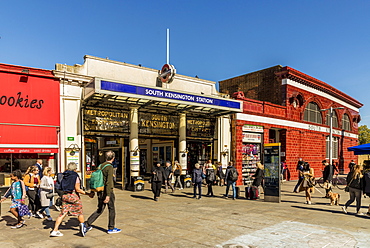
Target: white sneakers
{"x":56,"y":234}
{"x":344,"y":209}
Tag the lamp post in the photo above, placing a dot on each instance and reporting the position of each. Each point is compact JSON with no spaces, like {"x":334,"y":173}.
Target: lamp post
{"x":331,"y":131}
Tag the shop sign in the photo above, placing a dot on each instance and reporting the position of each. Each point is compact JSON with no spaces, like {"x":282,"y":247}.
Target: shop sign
{"x":70,"y":138}
{"x":158,"y":124}
{"x":106,"y":120}
{"x":28,"y":150}
{"x":170,"y":95}
{"x":73,"y":156}
{"x":252,"y":128}
{"x":252,"y":137}
{"x":200,"y":127}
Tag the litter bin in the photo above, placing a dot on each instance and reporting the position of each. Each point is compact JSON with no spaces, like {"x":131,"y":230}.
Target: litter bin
{"x":138,"y":184}
{"x":187,"y":181}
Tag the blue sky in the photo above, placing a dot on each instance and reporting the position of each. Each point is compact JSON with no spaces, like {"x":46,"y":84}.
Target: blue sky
{"x":215,"y":40}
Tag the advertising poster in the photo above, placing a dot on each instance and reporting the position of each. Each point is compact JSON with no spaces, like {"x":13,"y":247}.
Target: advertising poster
{"x":271,"y":160}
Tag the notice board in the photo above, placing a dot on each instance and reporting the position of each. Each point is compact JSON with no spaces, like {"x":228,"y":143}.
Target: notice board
{"x":271,"y":158}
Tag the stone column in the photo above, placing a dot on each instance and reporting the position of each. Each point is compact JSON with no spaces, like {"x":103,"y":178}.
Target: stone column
{"x":182,"y":144}
{"x":134,"y":142}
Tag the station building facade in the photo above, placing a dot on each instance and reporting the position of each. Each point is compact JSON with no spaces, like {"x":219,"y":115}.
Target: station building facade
{"x":145,"y":115}
{"x":283,"y":105}
{"x":30,"y":123}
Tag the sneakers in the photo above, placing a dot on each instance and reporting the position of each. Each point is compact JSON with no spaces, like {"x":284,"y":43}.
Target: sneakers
{"x":38,"y":214}
{"x":19,"y":225}
{"x":344,"y":209}
{"x":114,"y":230}
{"x":57,"y":208}
{"x":360,"y":213}
{"x":49,"y":218}
{"x":83,"y":229}
{"x":56,"y":234}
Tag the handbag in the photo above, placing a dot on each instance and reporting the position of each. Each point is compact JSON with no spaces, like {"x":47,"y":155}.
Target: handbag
{"x":50,"y":195}
{"x":23,"y":210}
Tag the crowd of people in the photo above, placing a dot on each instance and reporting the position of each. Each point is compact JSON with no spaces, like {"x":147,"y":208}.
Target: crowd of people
{"x":40,"y":189}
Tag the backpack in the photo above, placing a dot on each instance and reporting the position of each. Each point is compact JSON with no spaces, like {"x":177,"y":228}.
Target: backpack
{"x":97,"y":179}
{"x":58,"y":183}
{"x":177,"y":172}
{"x":233,"y":175}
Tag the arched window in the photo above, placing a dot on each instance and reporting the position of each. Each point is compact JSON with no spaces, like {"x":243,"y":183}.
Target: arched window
{"x":335,"y":119}
{"x":312,"y":113}
{"x":346,"y":123}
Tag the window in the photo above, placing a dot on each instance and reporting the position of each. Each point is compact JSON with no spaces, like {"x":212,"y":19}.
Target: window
{"x":335,"y":147}
{"x":312,"y":113}
{"x":335,"y":119}
{"x":346,"y":124}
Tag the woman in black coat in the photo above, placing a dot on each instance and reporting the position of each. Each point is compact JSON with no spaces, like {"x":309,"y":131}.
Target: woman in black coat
{"x":355,"y":183}
{"x":158,"y":177}
{"x":259,"y":175}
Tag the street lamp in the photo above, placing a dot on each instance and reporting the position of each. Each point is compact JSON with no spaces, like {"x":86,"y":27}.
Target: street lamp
{"x":331,"y":131}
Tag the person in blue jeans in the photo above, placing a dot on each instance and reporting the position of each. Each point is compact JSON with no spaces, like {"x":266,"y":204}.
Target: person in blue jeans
{"x":231,"y":177}
{"x":197,"y":180}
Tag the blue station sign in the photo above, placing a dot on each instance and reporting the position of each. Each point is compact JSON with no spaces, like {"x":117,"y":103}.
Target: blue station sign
{"x":170,"y":95}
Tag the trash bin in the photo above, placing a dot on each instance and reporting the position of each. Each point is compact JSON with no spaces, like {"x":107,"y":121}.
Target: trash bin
{"x":138,"y":184}
{"x":187,"y":181}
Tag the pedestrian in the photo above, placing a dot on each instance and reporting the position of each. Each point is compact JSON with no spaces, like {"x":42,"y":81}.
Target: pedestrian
{"x":39,"y":166}
{"x":177,"y":174}
{"x":307,"y":184}
{"x":168,"y":176}
{"x":231,"y":176}
{"x":71,"y":201}
{"x":351,"y":165}
{"x":259,"y":175}
{"x":210,"y":176}
{"x":367,"y":183}
{"x":106,"y":197}
{"x":327,"y":177}
{"x":32,"y":182}
{"x":46,"y":187}
{"x":17,"y":191}
{"x":300,"y":178}
{"x":59,"y":191}
{"x":221,"y":174}
{"x":355,"y":183}
{"x":283,"y":170}
{"x":198,"y":177}
{"x":157,"y":180}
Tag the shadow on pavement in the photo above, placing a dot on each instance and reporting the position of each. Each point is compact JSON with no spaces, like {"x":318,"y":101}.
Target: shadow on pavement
{"x":9,"y":220}
{"x":141,"y":197}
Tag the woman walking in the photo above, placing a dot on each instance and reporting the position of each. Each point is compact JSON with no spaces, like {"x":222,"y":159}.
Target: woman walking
{"x":177,"y":174}
{"x":197,"y":180}
{"x":259,"y":175}
{"x":71,"y":202}
{"x":355,"y":187}
{"x":18,"y":193}
{"x":210,"y":177}
{"x":221,"y":174}
{"x":32,"y":181}
{"x":158,"y":178}
{"x":307,"y":184}
{"x":46,"y":186}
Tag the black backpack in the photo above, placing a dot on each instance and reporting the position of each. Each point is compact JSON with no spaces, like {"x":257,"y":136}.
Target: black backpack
{"x":58,"y":182}
{"x":233,"y":175}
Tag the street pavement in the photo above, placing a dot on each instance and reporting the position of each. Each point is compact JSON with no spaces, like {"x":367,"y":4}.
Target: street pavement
{"x":177,"y":220}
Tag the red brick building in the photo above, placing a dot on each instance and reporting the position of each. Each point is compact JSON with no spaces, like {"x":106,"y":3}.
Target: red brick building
{"x":284,"y":105}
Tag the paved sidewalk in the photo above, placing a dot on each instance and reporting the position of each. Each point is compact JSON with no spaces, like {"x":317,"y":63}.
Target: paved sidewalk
{"x":177,"y":220}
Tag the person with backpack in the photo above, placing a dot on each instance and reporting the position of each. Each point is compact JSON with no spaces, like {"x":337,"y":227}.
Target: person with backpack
{"x":157,"y":180}
{"x":71,"y":202}
{"x":32,"y":181}
{"x":168,"y":175}
{"x":231,"y":176}
{"x":210,"y":177}
{"x":59,"y":191}
{"x":177,"y":174}
{"x":106,"y":197}
{"x":18,"y":193}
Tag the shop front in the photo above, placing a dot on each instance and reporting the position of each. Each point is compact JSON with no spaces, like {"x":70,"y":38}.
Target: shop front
{"x":29,"y":110}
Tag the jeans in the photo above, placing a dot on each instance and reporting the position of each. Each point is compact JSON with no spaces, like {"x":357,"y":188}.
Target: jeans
{"x":354,"y":194}
{"x":46,"y":209}
{"x":199,"y":186}
{"x":232,"y":183}
{"x":168,"y":183}
{"x":156,"y":188}
{"x":100,"y":210}
{"x":178,"y":181}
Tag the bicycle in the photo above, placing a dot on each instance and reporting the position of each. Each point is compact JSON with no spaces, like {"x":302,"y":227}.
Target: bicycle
{"x":339,"y":182}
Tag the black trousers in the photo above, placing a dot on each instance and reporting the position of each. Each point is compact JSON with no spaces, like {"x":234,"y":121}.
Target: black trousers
{"x":156,"y":188}
{"x":34,"y":203}
{"x":100,"y":210}
{"x":210,"y":190}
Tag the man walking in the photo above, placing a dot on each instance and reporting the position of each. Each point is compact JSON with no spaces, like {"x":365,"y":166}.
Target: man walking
{"x":106,"y":197}
{"x":168,"y":176}
{"x":39,"y":166}
{"x":231,"y":177}
{"x":327,"y":176}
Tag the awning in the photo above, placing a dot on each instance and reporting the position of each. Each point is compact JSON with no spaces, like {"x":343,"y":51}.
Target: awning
{"x":361,"y":149}
{"x":108,"y":94}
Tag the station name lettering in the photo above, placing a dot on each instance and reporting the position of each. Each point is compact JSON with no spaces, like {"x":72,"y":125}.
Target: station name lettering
{"x":102,"y":113}
{"x":184,"y":97}
{"x":21,"y":101}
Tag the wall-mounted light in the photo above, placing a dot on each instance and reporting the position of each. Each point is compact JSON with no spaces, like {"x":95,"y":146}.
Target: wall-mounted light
{"x":135,"y":151}
{"x":225,"y":152}
{"x":184,"y":152}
